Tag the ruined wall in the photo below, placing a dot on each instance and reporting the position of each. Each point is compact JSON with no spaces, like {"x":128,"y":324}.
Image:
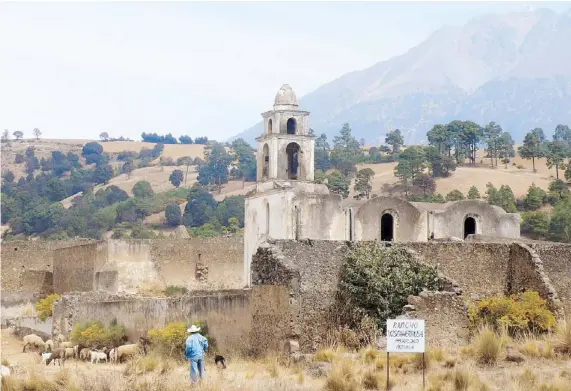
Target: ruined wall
{"x":227,"y":313}
{"x":74,"y":268}
{"x":19,"y":257}
{"x":271,"y":313}
{"x":319,"y":217}
{"x":556,"y":260}
{"x":481,"y":269}
{"x":445,"y":315}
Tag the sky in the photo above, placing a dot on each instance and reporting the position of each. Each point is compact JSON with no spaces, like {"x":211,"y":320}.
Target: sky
{"x":74,"y":70}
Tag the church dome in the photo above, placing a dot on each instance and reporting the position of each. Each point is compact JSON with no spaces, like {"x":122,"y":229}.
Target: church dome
{"x":286,"y":96}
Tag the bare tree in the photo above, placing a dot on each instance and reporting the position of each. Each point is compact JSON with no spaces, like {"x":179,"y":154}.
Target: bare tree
{"x":37,"y":133}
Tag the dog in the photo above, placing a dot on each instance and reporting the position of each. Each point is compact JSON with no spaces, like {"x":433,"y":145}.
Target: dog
{"x":220,"y":362}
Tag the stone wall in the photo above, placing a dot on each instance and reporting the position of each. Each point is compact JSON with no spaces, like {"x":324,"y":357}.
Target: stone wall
{"x":227,"y":313}
{"x":556,"y":260}
{"x":74,"y":268}
{"x":22,"y":256}
{"x":445,"y":315}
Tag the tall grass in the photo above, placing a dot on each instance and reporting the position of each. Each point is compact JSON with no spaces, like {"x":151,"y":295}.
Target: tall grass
{"x":487,"y":346}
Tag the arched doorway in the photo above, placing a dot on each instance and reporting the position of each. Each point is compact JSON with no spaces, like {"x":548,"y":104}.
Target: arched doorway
{"x":469,"y":226}
{"x":387,"y":227}
{"x":266,"y":162}
{"x":292,"y":152}
{"x":291,"y":126}
{"x":270,"y":126}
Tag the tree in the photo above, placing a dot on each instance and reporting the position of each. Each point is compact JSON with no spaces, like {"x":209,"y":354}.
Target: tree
{"x":5,"y":135}
{"x":92,"y":152}
{"x":395,"y":140}
{"x":201,"y":140}
{"x":143,"y":189}
{"x":19,"y":158}
{"x":215,"y":171}
{"x":504,"y":197}
{"x":563,"y":133}
{"x":176,"y":178}
{"x":363,"y":185}
{"x":104,"y":136}
{"x":102,"y":173}
{"x":410,"y":165}
{"x":18,"y":134}
{"x":425,"y":183}
{"x":534,"y":198}
{"x":30,"y":151}
{"x":246,"y":158}
{"x":185,"y":139}
{"x":556,"y":152}
{"x":322,"y":151}
{"x":200,"y":207}
{"x":37,"y":133}
{"x":505,"y":148}
{"x":319,"y":177}
{"x":32,"y":164}
{"x":440,"y":165}
{"x":173,"y":215}
{"x":492,"y":133}
{"x":8,"y":176}
{"x":560,"y":227}
{"x":455,"y":195}
{"x":338,"y":183}
{"x":532,"y":147}
{"x":535,"y":223}
{"x":473,"y":193}
{"x":346,"y":151}
{"x":558,"y":190}
{"x":128,"y":168}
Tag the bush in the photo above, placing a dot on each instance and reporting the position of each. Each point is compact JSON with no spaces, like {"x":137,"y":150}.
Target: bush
{"x":535,"y":223}
{"x":487,"y":346}
{"x":376,"y":281}
{"x":173,"y":215}
{"x":143,"y":189}
{"x":45,"y":306}
{"x":455,"y":195}
{"x":563,"y":338}
{"x":169,"y":340}
{"x":94,"y":334}
{"x":520,"y":313}
{"x":174,"y":290}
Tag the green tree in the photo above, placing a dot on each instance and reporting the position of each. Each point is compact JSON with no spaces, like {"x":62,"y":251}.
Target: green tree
{"x":562,"y":133}
{"x":8,"y":176}
{"x":338,"y":183}
{"x":504,"y":197}
{"x":104,"y":136}
{"x":560,"y":227}
{"x":102,"y":173}
{"x":492,"y":134}
{"x":346,"y":151}
{"x":395,"y":140}
{"x":246,"y":158}
{"x":556,"y":152}
{"x":442,"y":138}
{"x":128,"y":168}
{"x":425,"y":183}
{"x":18,"y":134}
{"x":233,"y":224}
{"x":322,"y":151}
{"x":440,"y":165}
{"x":535,"y":223}
{"x":505,"y":148}
{"x":532,"y":147}
{"x":455,"y":195}
{"x":363,"y":184}
{"x":534,"y":198}
{"x":215,"y":170}
{"x":411,"y":163}
{"x":143,"y":189}
{"x":200,"y":207}
{"x":19,"y":158}
{"x":176,"y":177}
{"x":173,"y":215}
{"x":319,"y":177}
{"x":473,"y":193}
{"x":558,"y":190}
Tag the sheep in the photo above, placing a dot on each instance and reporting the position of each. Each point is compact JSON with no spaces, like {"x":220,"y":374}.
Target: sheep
{"x":45,"y":357}
{"x":69,"y":353}
{"x":33,"y":340}
{"x":49,"y":345}
{"x":5,"y":371}
{"x":125,"y":351}
{"x":57,"y":354}
{"x":97,"y":356}
{"x":113,"y":356}
{"x":84,"y":354}
{"x":65,"y":344}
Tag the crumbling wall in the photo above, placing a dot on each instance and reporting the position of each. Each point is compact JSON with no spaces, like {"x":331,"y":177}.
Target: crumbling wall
{"x":556,"y":260}
{"x":480,"y":269}
{"x":21,"y":256}
{"x":445,"y":315}
{"x":74,"y":268}
{"x":227,"y":313}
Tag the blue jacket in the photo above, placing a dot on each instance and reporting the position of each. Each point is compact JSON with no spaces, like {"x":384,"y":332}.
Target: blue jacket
{"x":195,"y":346}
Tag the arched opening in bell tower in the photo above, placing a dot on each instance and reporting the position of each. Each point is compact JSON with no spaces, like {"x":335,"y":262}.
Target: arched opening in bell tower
{"x":292,"y":152}
{"x":270,"y":126}
{"x":291,"y":126}
{"x":266,"y":161}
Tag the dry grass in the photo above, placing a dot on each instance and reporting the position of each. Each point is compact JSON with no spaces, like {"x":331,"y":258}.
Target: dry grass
{"x":562,"y":338}
{"x":487,"y":346}
{"x":343,"y":377}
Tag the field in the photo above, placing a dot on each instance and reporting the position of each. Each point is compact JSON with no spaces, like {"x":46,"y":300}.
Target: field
{"x":333,"y":369}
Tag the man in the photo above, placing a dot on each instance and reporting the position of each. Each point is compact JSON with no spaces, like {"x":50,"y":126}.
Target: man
{"x":195,"y":346}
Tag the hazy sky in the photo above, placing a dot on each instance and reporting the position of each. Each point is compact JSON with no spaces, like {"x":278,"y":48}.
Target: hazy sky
{"x":75,"y":70}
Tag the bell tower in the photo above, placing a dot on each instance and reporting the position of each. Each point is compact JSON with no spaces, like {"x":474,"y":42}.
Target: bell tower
{"x":285,"y":150}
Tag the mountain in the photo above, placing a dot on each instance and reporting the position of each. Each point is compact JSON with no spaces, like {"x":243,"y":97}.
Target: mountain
{"x":514,"y":69}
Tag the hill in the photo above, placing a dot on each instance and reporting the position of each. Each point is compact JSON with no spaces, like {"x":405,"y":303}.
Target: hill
{"x":494,"y":68}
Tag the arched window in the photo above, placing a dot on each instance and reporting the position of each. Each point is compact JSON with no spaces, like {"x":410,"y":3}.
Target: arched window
{"x":266,"y":162}
{"x":292,"y":152}
{"x":291,"y":126}
{"x":387,"y":227}
{"x":469,"y":226}
{"x":270,"y":126}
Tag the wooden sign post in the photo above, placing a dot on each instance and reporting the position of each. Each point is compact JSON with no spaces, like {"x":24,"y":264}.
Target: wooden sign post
{"x":406,"y":336}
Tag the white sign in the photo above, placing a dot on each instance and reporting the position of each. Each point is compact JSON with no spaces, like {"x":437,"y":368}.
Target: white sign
{"x":405,"y":335}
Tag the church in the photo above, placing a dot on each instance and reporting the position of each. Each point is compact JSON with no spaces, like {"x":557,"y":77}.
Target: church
{"x":287,"y":204}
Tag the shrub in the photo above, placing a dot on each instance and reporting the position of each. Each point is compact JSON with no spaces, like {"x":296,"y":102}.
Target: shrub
{"x":562,"y":341}
{"x":376,"y":281}
{"x":520,"y":167}
{"x":143,"y":189}
{"x":45,"y":306}
{"x":94,"y":334}
{"x":454,"y":195}
{"x":487,"y":346}
{"x":519,"y":313}
{"x":169,"y":340}
{"x":173,"y":214}
{"x":342,"y":378}
{"x":174,"y":290}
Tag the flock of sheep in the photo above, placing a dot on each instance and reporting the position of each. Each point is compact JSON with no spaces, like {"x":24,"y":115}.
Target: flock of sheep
{"x":65,"y":350}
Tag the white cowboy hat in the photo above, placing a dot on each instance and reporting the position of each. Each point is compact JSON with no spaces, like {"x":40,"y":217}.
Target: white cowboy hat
{"x":193,"y":329}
